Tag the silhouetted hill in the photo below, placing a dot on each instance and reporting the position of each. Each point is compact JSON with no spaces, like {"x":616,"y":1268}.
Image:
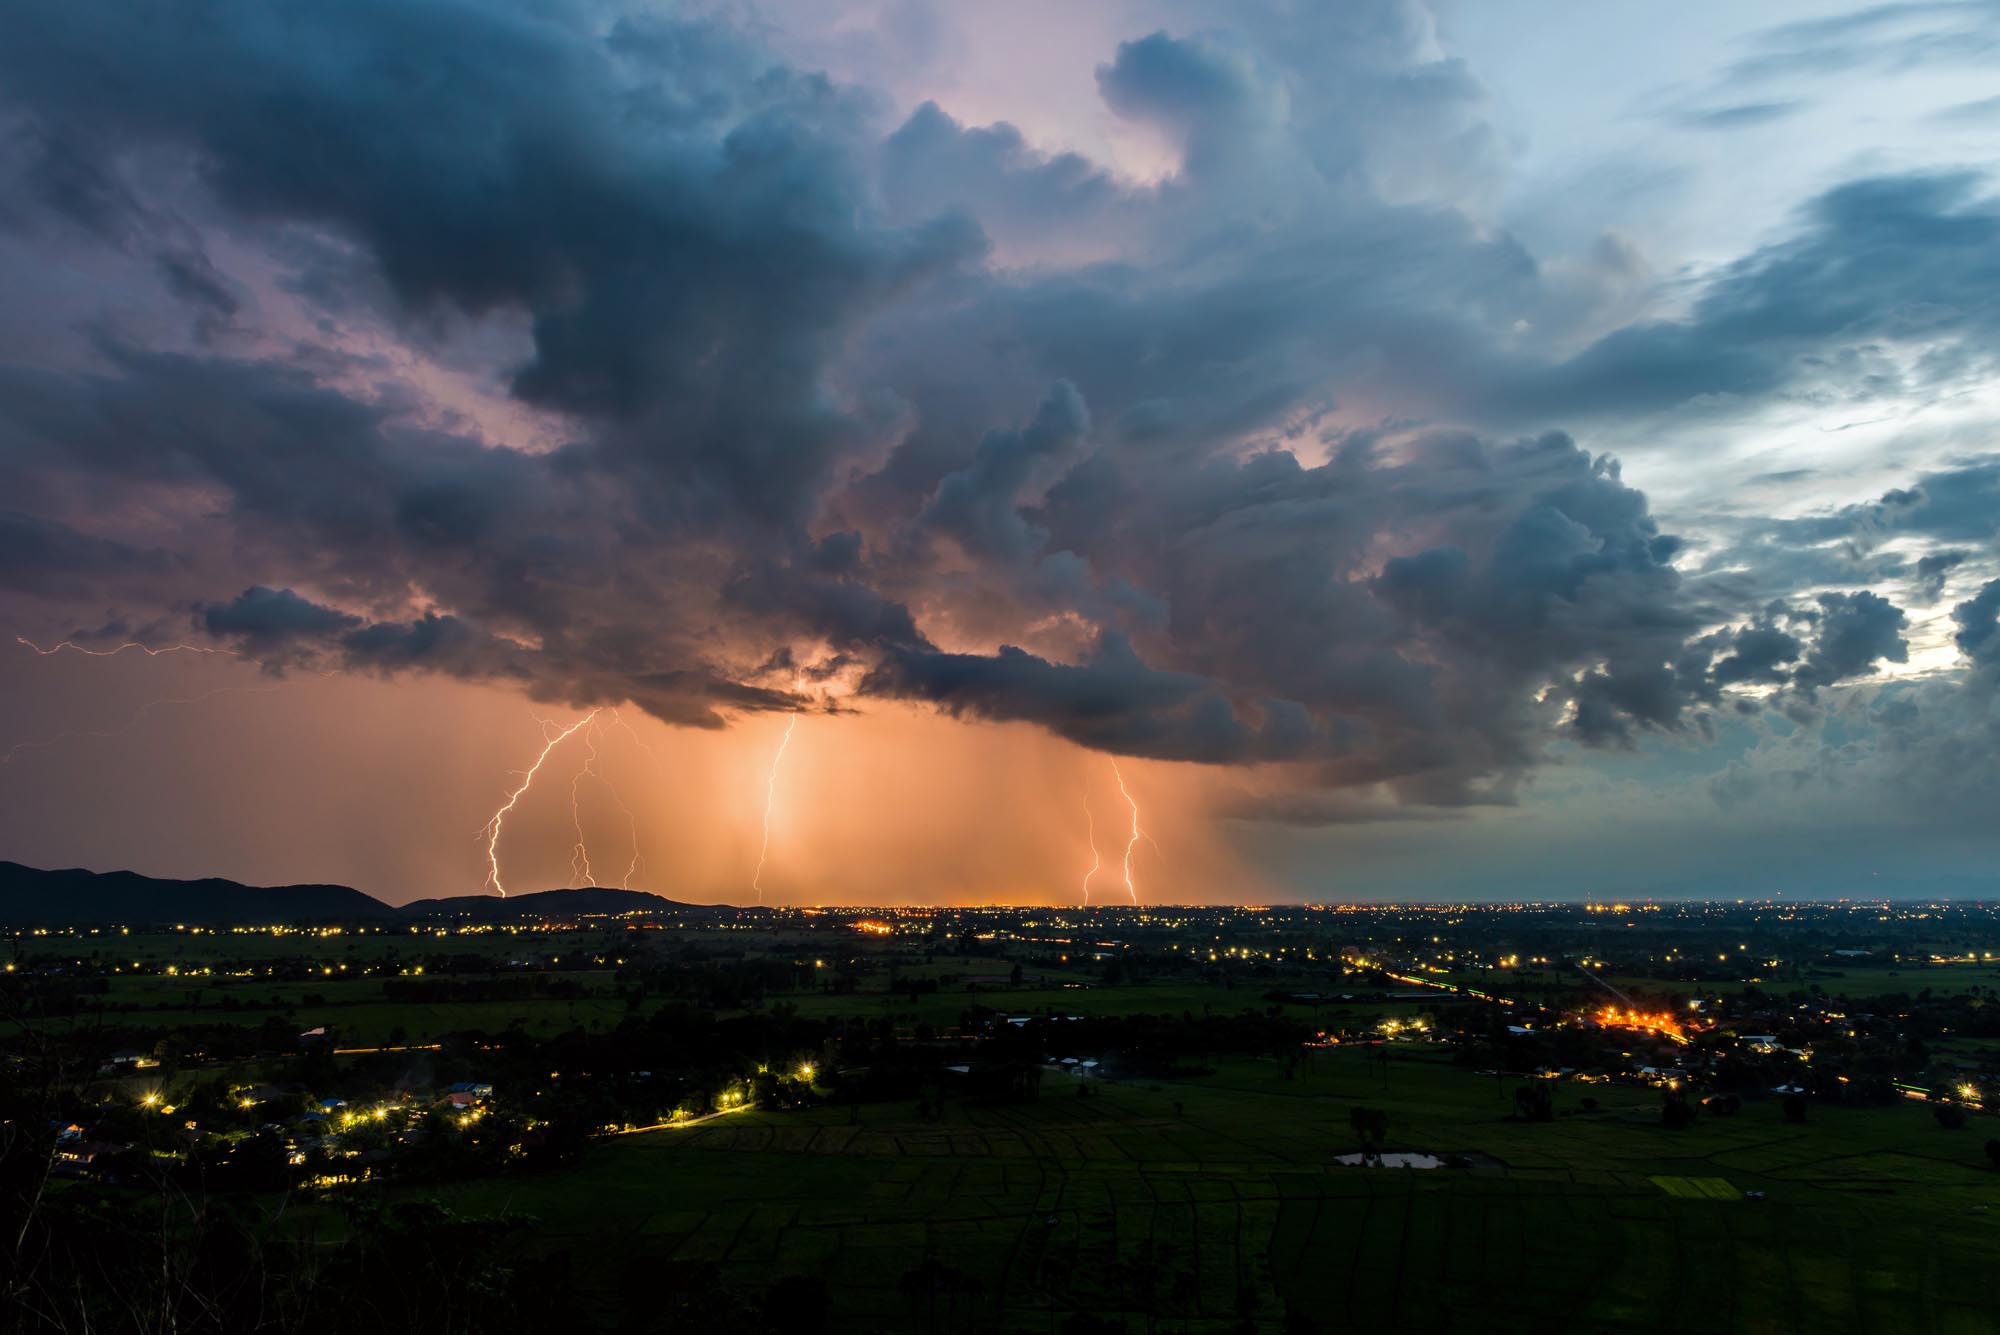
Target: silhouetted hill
{"x":30,"y":897}
{"x":541,"y":904}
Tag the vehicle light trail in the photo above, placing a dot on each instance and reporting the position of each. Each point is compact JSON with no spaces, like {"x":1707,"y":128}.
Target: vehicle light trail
{"x":770,"y":795}
{"x":1096,"y":859}
{"x":1137,"y":833}
{"x":492,"y":827}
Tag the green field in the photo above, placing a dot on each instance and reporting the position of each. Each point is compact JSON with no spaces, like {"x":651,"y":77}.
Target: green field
{"x":356,"y":1008}
{"x":362,"y":1016}
{"x":1219,"y":1197}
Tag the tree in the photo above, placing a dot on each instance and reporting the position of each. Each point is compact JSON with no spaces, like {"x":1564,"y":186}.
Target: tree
{"x":1676,"y":1113}
{"x":1371,"y":1127}
{"x":797,"y":1305}
{"x":1949,"y":1116}
{"x":1532,"y":1103}
{"x":1794,"y":1107}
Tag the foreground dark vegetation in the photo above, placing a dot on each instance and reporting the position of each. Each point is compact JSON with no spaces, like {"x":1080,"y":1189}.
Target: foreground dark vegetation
{"x":1741,"y":1117}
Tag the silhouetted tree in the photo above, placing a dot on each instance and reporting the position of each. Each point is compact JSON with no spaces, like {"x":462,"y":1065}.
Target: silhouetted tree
{"x":1371,"y":1127}
{"x":797,"y":1305}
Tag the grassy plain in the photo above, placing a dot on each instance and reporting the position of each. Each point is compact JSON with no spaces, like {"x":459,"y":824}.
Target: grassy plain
{"x":1199,"y":1204}
{"x":1202,"y":1203}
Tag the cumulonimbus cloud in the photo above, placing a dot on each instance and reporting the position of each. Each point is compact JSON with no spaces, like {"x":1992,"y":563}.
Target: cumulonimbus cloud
{"x":1254,"y":464}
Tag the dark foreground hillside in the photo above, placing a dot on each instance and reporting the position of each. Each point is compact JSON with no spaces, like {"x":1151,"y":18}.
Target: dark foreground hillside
{"x":74,"y":897}
{"x":30,"y":897}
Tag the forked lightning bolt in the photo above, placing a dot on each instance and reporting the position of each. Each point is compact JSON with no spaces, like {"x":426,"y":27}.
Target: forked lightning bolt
{"x":638,"y":861}
{"x":492,"y":827}
{"x":579,"y":856}
{"x":1137,"y":834}
{"x":632,"y":826}
{"x":770,"y":795}
{"x":140,"y":714}
{"x":1096,"y":861}
{"x":145,"y":649}
{"x":579,"y":862}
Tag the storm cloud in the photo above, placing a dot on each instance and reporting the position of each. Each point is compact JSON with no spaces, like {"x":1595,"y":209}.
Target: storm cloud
{"x":720,"y":388}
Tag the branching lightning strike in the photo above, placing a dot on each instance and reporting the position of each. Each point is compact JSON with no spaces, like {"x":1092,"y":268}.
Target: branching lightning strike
{"x":140,"y":714}
{"x":579,"y":856}
{"x":146,"y":649}
{"x":590,"y":769}
{"x":492,"y":827}
{"x":770,"y":795}
{"x":1131,"y":889}
{"x":1096,"y":859}
{"x":632,"y":821}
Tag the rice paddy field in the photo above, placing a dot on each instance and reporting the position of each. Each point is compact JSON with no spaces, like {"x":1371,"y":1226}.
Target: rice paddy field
{"x":1216,"y":1205}
{"x":244,"y":978}
{"x":1205,"y":1204}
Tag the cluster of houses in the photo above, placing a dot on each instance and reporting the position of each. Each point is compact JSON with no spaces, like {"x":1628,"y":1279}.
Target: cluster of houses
{"x":308,"y":1124}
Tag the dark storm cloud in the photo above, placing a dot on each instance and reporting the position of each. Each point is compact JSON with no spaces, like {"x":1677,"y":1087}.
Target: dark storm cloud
{"x":815,"y":437}
{"x":1858,"y":545}
{"x":1932,"y":571}
{"x":1876,"y":261}
{"x":1112,"y":701}
{"x":1758,"y":654}
{"x":50,"y":558}
{"x":979,"y":506}
{"x":1978,"y":621}
{"x":680,"y":219}
{"x":1856,"y":631}
{"x":934,"y":166}
{"x":260,"y":617}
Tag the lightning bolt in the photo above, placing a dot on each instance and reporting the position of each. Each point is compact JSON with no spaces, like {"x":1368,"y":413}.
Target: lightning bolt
{"x":637,"y":740}
{"x":146,"y":649}
{"x":770,"y":795}
{"x":579,"y":857}
{"x":492,"y":827}
{"x":1137,"y":833}
{"x":632,"y":822}
{"x":1096,"y":860}
{"x":579,"y":862}
{"x":632,"y":826}
{"x":139,"y":715}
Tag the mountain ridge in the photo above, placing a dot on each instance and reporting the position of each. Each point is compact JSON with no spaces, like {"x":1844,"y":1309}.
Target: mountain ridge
{"x":75,"y":896}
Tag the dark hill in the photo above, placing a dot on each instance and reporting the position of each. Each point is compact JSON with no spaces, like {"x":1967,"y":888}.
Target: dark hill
{"x":544,"y":904}
{"x":33,"y":898}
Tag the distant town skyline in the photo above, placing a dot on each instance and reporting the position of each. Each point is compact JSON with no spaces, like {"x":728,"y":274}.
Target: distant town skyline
{"x":922,"y":453}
